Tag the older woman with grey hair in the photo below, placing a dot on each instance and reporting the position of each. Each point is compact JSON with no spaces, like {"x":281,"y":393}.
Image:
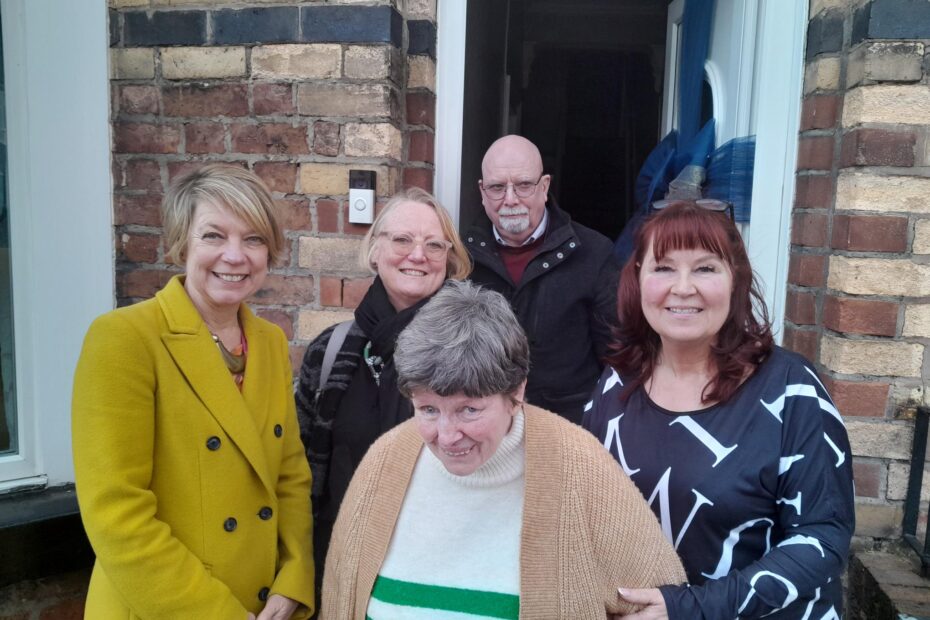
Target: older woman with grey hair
{"x":481,"y":505}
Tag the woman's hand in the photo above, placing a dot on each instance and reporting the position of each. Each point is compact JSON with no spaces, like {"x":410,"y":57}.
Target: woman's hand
{"x":278,"y":607}
{"x":652,"y":599}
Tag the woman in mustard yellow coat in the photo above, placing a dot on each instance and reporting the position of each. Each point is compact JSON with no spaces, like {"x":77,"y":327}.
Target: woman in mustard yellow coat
{"x":190,"y":472}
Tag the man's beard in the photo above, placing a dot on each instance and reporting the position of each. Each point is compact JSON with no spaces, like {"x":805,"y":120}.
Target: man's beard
{"x":514,"y":220}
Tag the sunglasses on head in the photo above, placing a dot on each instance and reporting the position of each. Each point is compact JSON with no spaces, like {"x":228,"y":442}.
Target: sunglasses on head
{"x":711,"y":204}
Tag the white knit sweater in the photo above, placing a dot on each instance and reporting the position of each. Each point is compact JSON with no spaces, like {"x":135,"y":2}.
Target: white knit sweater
{"x":455,"y":552}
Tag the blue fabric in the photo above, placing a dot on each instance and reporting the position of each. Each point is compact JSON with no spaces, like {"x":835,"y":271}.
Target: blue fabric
{"x":695,"y":42}
{"x":729,"y":175}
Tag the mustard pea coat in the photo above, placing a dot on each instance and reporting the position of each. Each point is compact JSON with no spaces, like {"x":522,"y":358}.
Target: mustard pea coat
{"x":194,"y":496}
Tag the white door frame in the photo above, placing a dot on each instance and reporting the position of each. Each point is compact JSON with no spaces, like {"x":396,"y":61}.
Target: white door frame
{"x":779,"y":65}
{"x":450,"y":96}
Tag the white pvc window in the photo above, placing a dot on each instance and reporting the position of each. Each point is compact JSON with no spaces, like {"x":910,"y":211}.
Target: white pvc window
{"x":59,"y":222}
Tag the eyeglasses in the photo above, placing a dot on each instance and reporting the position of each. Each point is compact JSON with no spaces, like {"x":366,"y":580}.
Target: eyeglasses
{"x":402,"y":244}
{"x":523,"y":189}
{"x":710,"y":204}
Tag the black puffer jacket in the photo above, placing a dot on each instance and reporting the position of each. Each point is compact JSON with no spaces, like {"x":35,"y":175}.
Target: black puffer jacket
{"x":566,"y":302}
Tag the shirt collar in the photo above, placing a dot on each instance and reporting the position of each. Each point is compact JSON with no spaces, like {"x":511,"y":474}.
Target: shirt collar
{"x":537,"y":234}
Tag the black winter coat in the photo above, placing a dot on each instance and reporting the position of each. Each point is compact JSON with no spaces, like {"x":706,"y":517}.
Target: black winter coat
{"x":566,"y":303}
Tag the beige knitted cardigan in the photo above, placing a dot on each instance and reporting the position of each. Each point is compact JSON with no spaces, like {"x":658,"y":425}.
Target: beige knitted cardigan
{"x":586,"y":528}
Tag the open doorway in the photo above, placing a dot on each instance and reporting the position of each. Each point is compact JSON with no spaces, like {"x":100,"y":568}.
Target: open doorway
{"x":583,"y":80}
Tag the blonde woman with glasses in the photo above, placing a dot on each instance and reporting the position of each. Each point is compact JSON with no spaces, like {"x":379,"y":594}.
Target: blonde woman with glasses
{"x":347,"y":391}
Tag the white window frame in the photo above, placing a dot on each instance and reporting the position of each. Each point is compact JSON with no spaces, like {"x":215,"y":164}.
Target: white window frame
{"x":61,"y":230}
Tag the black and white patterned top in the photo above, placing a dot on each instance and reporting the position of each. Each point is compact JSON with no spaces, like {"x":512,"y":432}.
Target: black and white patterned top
{"x":755,"y":494}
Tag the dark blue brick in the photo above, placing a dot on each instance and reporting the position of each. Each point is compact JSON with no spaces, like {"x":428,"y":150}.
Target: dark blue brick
{"x":113,"y":23}
{"x":421,"y":38}
{"x":860,"y":23}
{"x":273,"y":25}
{"x":351,"y":24}
{"x":165,"y":28}
{"x":825,"y":34}
{"x":899,"y":19}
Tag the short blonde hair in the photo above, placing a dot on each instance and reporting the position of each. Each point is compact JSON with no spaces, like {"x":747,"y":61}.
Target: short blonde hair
{"x":232,"y":187}
{"x":458,"y":262}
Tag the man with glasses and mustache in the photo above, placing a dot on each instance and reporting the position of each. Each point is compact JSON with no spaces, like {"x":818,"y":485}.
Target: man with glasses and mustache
{"x":559,"y":276}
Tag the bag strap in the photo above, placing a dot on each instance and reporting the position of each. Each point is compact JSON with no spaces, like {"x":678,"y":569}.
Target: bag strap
{"x":332,"y":349}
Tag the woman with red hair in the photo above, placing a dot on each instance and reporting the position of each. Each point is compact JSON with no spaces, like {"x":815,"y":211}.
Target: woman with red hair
{"x":734,"y":441}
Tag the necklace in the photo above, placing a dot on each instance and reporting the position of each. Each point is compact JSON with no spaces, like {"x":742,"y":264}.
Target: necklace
{"x":235,"y":363}
{"x":374,"y":362}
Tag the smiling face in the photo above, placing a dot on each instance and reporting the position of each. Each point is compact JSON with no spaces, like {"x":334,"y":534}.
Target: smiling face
{"x":226,"y":260}
{"x":410,"y":277}
{"x":686,"y":296}
{"x":461,"y":431}
{"x":510,"y":161}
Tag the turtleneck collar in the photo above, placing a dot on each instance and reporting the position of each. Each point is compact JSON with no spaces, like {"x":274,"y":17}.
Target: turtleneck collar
{"x":505,"y":465}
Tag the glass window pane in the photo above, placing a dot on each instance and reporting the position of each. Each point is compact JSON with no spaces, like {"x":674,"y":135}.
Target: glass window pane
{"x":8,"y":434}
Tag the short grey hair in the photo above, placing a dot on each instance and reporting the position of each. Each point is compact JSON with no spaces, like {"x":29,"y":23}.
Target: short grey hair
{"x":465,"y":340}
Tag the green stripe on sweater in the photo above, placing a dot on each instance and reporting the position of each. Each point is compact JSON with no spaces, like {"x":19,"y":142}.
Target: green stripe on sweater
{"x":460,"y":600}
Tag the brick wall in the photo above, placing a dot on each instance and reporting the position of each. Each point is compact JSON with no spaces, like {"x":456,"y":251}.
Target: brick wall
{"x":300,"y":92}
{"x":858,"y":299}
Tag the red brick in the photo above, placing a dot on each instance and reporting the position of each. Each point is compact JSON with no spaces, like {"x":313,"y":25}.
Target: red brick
{"x":805,"y":342}
{"x":806,"y":269}
{"x":327,"y":216}
{"x":869,"y":233}
{"x":860,"y":316}
{"x":178,"y":168}
{"x":67,"y":610}
{"x":277,"y":138}
{"x":809,"y":229}
{"x":419,"y":177}
{"x":815,"y":153}
{"x":813,"y":191}
{"x":205,"y":138}
{"x":138,"y":99}
{"x":294,"y":214}
{"x":354,"y":290}
{"x":145,"y":138}
{"x":272,"y":98}
{"x":286,"y":290}
{"x":421,"y":108}
{"x":141,"y":283}
{"x":421,"y":147}
{"x":282,"y":319}
{"x":800,"y":308}
{"x":143,"y":174}
{"x":278,"y":176}
{"x":330,"y":291}
{"x":297,"y":357}
{"x":819,"y":111}
{"x":141,"y":209}
{"x":867,"y":476}
{"x":137,"y":248}
{"x":326,"y":138}
{"x":210,"y":100}
{"x":858,"y":398}
{"x":878,"y":147}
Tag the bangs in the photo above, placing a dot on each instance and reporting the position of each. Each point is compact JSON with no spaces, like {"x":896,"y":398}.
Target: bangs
{"x":688,"y":229}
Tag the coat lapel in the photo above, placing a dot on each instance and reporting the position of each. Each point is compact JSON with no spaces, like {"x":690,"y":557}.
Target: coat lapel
{"x":540,"y":546}
{"x":396,"y":471}
{"x":192,"y":348}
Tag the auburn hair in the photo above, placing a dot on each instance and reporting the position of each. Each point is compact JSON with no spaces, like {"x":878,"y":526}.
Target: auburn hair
{"x":743,"y":341}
